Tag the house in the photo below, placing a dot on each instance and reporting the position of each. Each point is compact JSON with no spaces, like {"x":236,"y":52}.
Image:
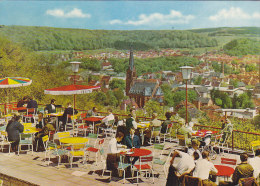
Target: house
{"x":256,"y":91}
{"x":202,"y":91}
{"x":239,"y":113}
{"x":106,"y":65}
{"x":201,"y":102}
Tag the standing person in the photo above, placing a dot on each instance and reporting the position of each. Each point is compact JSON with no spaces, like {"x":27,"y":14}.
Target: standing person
{"x":32,"y":104}
{"x":113,"y":155}
{"x":51,"y":108}
{"x":130,"y":123}
{"x":203,"y":167}
{"x":255,"y":163}
{"x":68,"y":111}
{"x":183,"y":167}
{"x":13,"y":129}
{"x":243,"y":170}
{"x":165,"y":124}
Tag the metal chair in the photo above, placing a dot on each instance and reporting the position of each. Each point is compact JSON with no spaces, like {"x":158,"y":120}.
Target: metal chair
{"x":145,"y":165}
{"x":25,"y":140}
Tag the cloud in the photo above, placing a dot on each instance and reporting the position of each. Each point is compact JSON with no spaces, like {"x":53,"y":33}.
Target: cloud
{"x":157,"y":19}
{"x":234,"y":13}
{"x":75,"y":13}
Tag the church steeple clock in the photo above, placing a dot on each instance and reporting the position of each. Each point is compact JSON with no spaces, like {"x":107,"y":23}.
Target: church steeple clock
{"x":130,"y":73}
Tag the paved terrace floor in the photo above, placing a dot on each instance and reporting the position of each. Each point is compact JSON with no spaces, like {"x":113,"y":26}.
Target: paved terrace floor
{"x":34,"y":169}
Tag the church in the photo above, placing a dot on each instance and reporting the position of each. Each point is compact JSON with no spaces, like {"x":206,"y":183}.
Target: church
{"x":141,"y":90}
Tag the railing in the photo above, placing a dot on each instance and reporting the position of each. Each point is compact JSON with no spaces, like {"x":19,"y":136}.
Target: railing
{"x":239,"y":140}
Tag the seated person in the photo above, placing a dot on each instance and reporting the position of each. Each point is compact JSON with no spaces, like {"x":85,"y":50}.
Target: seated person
{"x":168,"y":121}
{"x":92,"y":112}
{"x":194,"y":147}
{"x":45,"y":131}
{"x":243,"y":170}
{"x":22,"y":103}
{"x":40,"y":123}
{"x":203,"y":168}
{"x":148,"y":132}
{"x":184,"y":167}
{"x":68,"y":111}
{"x":113,"y":154}
{"x":186,"y":132}
{"x":133,"y":141}
{"x":50,"y":108}
{"x":106,"y":120}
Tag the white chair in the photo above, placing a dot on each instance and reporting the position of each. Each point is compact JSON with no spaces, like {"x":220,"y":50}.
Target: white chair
{"x":4,"y":141}
{"x":26,"y":140}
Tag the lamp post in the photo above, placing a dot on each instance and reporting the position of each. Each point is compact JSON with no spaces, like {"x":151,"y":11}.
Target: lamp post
{"x":186,"y":73}
{"x":75,"y":69}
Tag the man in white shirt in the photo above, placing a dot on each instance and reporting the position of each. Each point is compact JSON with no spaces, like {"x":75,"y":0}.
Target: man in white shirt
{"x":113,"y":155}
{"x":204,"y":167}
{"x":185,"y":165}
{"x":109,"y":117}
{"x":255,"y":163}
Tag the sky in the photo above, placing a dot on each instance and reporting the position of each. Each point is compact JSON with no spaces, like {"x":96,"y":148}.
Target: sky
{"x":131,"y":15}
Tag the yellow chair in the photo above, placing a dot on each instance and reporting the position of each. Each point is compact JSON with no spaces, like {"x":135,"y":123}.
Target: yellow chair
{"x":77,"y":150}
{"x":63,"y":135}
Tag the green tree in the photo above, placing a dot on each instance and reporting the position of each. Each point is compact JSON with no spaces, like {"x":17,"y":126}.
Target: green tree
{"x":117,"y":83}
{"x":198,"y":80}
{"x":152,"y":106}
{"x":218,"y":101}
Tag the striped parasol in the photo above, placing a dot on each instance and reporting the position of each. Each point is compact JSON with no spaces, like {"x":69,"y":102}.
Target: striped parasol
{"x":9,"y":82}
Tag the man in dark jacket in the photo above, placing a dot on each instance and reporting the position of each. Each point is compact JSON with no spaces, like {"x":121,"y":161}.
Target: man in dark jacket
{"x":13,"y":129}
{"x":68,"y":111}
{"x":51,"y":108}
{"x":32,"y":104}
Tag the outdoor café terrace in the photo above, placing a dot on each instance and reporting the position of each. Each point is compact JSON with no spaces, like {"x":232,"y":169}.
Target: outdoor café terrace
{"x":32,"y":167}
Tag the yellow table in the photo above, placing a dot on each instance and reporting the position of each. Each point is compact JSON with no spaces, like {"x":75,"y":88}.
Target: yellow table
{"x":27,"y":125}
{"x":30,"y":130}
{"x":74,"y":140}
{"x":142,"y":126}
{"x":58,"y":114}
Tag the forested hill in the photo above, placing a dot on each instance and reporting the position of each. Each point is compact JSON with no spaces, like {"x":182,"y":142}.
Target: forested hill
{"x":228,"y":31}
{"x":48,"y":38}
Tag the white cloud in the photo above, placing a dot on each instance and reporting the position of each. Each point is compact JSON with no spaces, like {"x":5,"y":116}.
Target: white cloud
{"x":157,"y":19}
{"x":75,"y":13}
{"x":234,"y":13}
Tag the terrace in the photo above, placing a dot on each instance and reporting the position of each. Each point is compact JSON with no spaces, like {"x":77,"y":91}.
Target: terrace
{"x":28,"y":169}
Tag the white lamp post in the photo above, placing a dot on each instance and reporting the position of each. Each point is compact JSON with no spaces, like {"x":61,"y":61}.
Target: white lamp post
{"x":75,"y":66}
{"x":186,"y":75}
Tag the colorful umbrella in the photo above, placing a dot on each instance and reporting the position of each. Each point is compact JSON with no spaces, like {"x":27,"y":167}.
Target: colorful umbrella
{"x":9,"y":82}
{"x":71,"y":90}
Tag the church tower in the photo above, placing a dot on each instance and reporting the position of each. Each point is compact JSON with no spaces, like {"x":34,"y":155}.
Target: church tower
{"x":130,"y":73}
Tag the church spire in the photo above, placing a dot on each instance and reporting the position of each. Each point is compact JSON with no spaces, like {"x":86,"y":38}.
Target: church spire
{"x":131,"y":59}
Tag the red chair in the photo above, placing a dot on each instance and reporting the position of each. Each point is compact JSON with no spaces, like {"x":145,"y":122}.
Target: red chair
{"x":96,"y":150}
{"x":145,"y":165}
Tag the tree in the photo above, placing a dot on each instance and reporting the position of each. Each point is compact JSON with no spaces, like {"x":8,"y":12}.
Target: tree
{"x":181,"y":96}
{"x":218,"y":102}
{"x":117,"y":83}
{"x":198,"y":80}
{"x":152,"y":106}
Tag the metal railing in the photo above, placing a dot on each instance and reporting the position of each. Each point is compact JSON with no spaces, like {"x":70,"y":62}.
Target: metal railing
{"x":239,"y":140}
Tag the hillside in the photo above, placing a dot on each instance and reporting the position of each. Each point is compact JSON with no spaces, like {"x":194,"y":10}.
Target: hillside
{"x":47,"y":38}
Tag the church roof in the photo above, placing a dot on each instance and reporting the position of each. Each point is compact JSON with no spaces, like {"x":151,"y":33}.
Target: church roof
{"x":145,"y":88}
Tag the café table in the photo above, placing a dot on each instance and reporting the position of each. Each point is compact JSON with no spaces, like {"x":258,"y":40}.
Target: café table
{"x":74,"y":140}
{"x":30,"y":130}
{"x":94,"y":119}
{"x":136,"y":152}
{"x":224,"y":171}
{"x":56,"y":115}
{"x":142,"y":126}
